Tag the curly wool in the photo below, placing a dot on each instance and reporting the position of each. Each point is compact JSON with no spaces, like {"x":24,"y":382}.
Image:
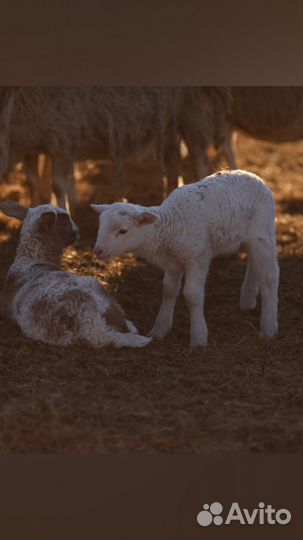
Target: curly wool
{"x":219,"y":215}
{"x":53,"y":306}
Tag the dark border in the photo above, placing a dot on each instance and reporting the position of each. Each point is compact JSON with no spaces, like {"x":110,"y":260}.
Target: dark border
{"x":144,"y":497}
{"x":84,"y":42}
{"x":167,"y":42}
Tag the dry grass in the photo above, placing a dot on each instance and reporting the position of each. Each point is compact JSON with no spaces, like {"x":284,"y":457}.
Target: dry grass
{"x":240,"y":394}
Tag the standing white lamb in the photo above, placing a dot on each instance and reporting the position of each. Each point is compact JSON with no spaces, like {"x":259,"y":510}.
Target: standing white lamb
{"x":51,"y":305}
{"x":195,"y":223}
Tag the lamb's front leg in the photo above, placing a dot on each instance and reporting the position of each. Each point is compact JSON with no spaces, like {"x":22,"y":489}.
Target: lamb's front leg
{"x":195,"y":278}
{"x":171,"y":287}
{"x":249,"y":289}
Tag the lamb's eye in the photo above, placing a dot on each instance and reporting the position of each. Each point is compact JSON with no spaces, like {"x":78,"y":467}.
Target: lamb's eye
{"x":122,"y":231}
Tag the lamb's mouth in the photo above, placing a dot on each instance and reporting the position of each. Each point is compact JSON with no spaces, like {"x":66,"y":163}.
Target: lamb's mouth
{"x":101,"y":255}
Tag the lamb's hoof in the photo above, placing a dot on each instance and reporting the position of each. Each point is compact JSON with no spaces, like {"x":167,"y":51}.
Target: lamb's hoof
{"x":141,"y":341}
{"x":195,"y":345}
{"x":269,"y":332}
{"x":248,"y":304}
{"x":158,"y":333}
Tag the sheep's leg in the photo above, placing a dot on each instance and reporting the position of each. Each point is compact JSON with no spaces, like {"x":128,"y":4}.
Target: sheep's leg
{"x":31,"y":171}
{"x":60,"y":189}
{"x":172,"y":163}
{"x":45,"y":173}
{"x":171,"y":287}
{"x":197,"y":150}
{"x":264,"y":260}
{"x":131,"y":327}
{"x":200,"y":161}
{"x":249,"y":289}
{"x":93,"y":331}
{"x":195,"y":278}
{"x":60,"y":182}
{"x":129,"y":339}
{"x":8,"y":169}
{"x":72,"y":194}
{"x":229,"y":149}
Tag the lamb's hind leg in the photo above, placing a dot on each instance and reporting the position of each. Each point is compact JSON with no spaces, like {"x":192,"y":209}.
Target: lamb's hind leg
{"x":94,"y":332}
{"x":265,"y":267}
{"x":249,"y":289}
{"x":171,"y":286}
{"x":129,"y":339}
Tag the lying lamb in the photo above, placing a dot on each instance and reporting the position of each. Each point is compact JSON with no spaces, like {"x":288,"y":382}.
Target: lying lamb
{"x":195,"y":223}
{"x":53,"y":306}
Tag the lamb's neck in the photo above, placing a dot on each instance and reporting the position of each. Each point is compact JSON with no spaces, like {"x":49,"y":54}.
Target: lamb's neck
{"x":39,"y":254}
{"x":155,"y":236}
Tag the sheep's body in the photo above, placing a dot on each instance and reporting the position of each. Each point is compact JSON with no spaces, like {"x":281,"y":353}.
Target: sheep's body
{"x":273,"y":113}
{"x":73,"y":124}
{"x":197,"y":222}
{"x":89,"y":122}
{"x":53,"y":306}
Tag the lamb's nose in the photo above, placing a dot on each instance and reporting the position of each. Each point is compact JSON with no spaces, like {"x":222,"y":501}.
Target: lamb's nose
{"x":98,"y":252}
{"x":76,"y":234}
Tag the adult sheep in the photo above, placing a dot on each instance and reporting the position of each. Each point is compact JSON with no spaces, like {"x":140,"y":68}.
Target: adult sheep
{"x":269,"y":113}
{"x":73,"y":124}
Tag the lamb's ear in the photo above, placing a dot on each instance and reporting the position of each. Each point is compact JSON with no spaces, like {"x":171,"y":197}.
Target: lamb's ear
{"x":48,"y":219}
{"x":14,"y":209}
{"x":145,"y":218}
{"x":99,"y":208}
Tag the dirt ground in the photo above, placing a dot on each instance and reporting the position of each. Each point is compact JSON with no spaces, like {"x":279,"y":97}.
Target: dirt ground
{"x":241,"y":394}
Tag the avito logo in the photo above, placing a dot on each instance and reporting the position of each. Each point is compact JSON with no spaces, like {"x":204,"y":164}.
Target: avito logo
{"x":212,"y":515}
